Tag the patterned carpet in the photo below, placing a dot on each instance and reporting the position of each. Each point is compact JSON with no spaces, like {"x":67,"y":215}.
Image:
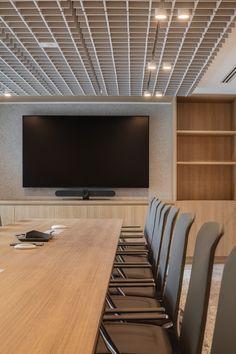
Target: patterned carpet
{"x":215,"y":286}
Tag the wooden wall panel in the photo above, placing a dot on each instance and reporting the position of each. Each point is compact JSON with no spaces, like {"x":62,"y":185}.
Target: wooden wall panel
{"x":234,"y":147}
{"x":7,"y":214}
{"x":205,"y":148}
{"x":204,"y":182}
{"x":34,"y":211}
{"x":130,"y":212}
{"x":204,"y":116}
{"x":223,"y":212}
{"x":207,"y":171}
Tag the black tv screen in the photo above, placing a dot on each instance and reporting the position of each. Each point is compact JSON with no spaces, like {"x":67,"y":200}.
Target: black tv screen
{"x":86,"y":151}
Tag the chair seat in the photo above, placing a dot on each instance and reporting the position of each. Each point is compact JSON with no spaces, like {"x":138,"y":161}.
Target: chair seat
{"x":135,"y":302}
{"x":139,"y":258}
{"x":136,"y":339}
{"x":135,"y":273}
{"x":134,"y":259}
{"x":135,"y":291}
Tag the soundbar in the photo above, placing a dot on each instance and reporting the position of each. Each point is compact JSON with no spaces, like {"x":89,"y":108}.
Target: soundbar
{"x":85,"y":193}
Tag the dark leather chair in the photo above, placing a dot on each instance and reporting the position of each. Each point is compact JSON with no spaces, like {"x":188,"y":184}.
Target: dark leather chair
{"x":137,"y":228}
{"x":154,"y":249}
{"x":172,"y":283}
{"x":224,"y":337}
{"x":140,"y":338}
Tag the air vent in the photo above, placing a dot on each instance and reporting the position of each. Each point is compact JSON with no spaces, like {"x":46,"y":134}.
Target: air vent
{"x":230,"y":76}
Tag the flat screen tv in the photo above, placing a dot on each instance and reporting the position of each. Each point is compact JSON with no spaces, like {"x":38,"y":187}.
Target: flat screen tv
{"x":86,"y":151}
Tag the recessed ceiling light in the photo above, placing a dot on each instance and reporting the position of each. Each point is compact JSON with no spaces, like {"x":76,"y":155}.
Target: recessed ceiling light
{"x":166,"y":66}
{"x":183,"y":14}
{"x":147,"y":93}
{"x":158,"y":94}
{"x":7,"y":94}
{"x":152,"y":65}
{"x":161,"y":13}
{"x":48,"y":45}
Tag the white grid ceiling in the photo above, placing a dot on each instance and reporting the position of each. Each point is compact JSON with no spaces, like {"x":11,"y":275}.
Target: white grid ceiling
{"x":103,"y":46}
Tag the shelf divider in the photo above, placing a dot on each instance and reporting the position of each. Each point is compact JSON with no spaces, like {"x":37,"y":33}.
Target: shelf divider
{"x":206,"y":163}
{"x":207,"y":132}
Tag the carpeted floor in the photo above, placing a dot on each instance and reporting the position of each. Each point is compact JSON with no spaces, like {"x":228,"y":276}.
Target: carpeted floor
{"x":216,"y":280}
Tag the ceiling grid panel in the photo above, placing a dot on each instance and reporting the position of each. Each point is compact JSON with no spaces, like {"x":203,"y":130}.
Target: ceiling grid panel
{"x":30,"y":38}
{"x":138,"y":15}
{"x":180,"y":52}
{"x":102,"y":47}
{"x":4,"y":88}
{"x":88,"y":78}
{"x":40,"y":33}
{"x":103,"y":89}
{"x":157,"y":85}
{"x":66,"y":75}
{"x":128,"y":38}
{"x":11,"y":73}
{"x":200,"y":73}
{"x":21,"y":62}
{"x":111,"y":47}
{"x":12,"y":86}
{"x":16,"y":65}
{"x":197,"y":47}
{"x":146,"y":48}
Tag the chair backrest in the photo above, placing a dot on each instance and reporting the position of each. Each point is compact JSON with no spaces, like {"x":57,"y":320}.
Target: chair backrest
{"x":224,"y":338}
{"x":172,"y":290}
{"x":148,"y":214}
{"x":151,"y":220}
{"x":165,"y":249}
{"x":195,"y":312}
{"x":157,"y":238}
{"x":157,"y":206}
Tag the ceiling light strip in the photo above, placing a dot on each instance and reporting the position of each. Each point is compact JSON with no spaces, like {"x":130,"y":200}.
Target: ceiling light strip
{"x":104,"y":90}
{"x":163,"y":46}
{"x":181,"y":44}
{"x":111,"y":46}
{"x":128,"y":40}
{"x":232,"y":19}
{"x":13,"y":83}
{"x":26,"y":50}
{"x":75,"y":46}
{"x":62,"y":54}
{"x":15,"y":72}
{"x":146,"y":47}
{"x":198,"y":45}
{"x":153,"y":55}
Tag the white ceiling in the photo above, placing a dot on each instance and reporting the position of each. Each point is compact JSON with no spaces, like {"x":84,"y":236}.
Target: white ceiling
{"x":103,"y":46}
{"x":223,"y":63}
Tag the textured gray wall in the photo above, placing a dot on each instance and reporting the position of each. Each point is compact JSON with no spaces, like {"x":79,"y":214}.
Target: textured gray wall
{"x":161,"y":144}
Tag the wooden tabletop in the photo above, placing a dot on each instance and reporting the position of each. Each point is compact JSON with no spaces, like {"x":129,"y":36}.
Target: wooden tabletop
{"x":52,"y":297}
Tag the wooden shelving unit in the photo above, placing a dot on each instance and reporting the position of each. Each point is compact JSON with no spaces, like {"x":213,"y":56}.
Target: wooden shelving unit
{"x":206,"y":165}
{"x":206,"y":153}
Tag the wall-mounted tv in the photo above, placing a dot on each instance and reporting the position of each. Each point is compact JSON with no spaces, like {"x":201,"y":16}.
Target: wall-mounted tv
{"x":86,"y":151}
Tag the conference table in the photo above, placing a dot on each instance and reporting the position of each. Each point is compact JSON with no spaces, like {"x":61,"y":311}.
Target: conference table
{"x":52,"y":297}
